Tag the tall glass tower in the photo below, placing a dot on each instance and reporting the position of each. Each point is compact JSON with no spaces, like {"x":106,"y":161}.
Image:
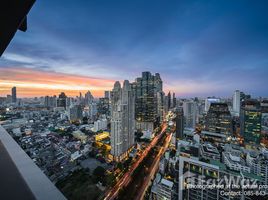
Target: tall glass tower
{"x":250,"y":121}
{"x":148,"y":89}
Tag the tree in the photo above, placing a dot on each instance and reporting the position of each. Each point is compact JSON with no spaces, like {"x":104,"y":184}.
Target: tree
{"x":127,"y":162}
{"x":99,"y":173}
{"x":110,"y":179}
{"x":87,"y":170}
{"x":120,"y":166}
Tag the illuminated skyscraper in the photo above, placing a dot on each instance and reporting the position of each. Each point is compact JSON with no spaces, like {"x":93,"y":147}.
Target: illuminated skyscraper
{"x":210,"y":100}
{"x":122,"y":119}
{"x":250,"y":121}
{"x":218,"y":119}
{"x":146,"y":103}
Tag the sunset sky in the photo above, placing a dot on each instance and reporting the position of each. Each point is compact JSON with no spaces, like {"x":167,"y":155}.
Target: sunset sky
{"x":200,"y":48}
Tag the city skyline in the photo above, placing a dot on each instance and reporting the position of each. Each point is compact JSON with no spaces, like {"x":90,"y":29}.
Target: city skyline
{"x":134,"y":100}
{"x":200,"y":49}
{"x":74,"y":90}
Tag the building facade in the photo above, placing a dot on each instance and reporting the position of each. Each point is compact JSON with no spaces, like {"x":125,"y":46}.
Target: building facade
{"x":147,"y":102}
{"x":62,"y":100}
{"x":236,"y":102}
{"x":179,"y":120}
{"x":14,"y":94}
{"x":75,"y":113}
{"x":208,"y":101}
{"x":197,"y":180}
{"x":250,"y":121}
{"x":190,"y":113}
{"x":122,"y":120}
{"x":218,"y":119}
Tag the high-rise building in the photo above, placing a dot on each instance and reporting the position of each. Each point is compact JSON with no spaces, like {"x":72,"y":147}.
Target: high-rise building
{"x":80,"y":97}
{"x":75,"y":113}
{"x":160,"y":105}
{"x":236,"y":102}
{"x":179,"y":123}
{"x":88,"y":98}
{"x":122,"y":119}
{"x":14,"y":94}
{"x":104,"y":106}
{"x":165,"y":104}
{"x":2,"y":100}
{"x":9,"y":98}
{"x":61,"y":101}
{"x":174,"y":101}
{"x":210,"y":100}
{"x":169,"y":100}
{"x":46,"y":103}
{"x":190,"y":113}
{"x":93,"y":109}
{"x":70,"y":101}
{"x":146,"y":106}
{"x":264,"y":120}
{"x":250,"y":121}
{"x":218,"y":119}
{"x":107,"y":94}
{"x":50,"y":102}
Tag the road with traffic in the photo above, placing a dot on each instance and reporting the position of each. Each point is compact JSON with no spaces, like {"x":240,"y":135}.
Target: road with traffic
{"x":153,"y":169}
{"x":126,"y":178}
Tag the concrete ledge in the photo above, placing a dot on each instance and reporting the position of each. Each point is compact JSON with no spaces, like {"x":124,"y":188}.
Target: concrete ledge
{"x":38,"y":183}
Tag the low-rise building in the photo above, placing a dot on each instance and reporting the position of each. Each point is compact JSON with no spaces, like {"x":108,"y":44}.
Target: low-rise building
{"x":235,"y":162}
{"x":208,"y":151}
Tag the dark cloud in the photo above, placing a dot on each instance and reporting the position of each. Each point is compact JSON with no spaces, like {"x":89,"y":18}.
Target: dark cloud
{"x":213,"y":42}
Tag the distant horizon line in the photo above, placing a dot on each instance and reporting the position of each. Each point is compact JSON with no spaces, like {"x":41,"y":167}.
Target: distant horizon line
{"x":83,"y":92}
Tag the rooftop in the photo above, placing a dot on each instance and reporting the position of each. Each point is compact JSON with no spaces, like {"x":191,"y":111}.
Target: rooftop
{"x":167,"y":182}
{"x":222,"y":167}
{"x":209,"y":148}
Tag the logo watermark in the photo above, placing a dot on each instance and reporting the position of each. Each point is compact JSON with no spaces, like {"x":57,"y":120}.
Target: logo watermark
{"x":227,"y":185}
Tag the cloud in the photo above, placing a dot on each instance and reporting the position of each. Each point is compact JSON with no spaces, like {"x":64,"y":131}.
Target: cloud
{"x":47,"y":83}
{"x":206,"y":47}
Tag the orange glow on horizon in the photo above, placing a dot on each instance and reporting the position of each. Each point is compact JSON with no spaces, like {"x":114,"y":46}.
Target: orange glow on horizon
{"x":37,"y":83}
{"x":34,"y":83}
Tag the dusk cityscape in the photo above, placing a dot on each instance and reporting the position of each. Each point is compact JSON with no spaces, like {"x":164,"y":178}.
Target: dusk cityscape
{"x":134,"y":100}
